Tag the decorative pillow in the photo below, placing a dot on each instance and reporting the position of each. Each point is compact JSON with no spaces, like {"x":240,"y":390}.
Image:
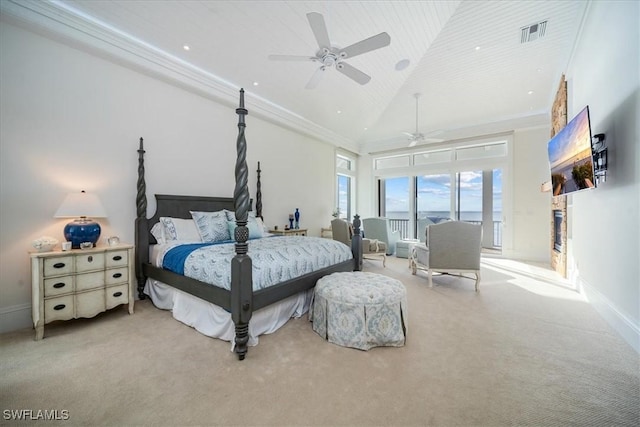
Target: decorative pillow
{"x":180,"y":229}
{"x":255,"y":231}
{"x":253,"y":222}
{"x":231,"y":215}
{"x":157,"y":231}
{"x":212,"y":226}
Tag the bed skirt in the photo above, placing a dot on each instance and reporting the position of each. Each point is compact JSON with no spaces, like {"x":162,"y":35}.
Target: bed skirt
{"x":215,"y":322}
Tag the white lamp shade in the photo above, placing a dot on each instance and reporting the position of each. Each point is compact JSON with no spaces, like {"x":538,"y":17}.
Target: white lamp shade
{"x":81,"y":205}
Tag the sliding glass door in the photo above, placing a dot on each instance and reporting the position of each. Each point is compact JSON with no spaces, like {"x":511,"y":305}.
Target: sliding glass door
{"x":413,"y":203}
{"x":394,"y":195}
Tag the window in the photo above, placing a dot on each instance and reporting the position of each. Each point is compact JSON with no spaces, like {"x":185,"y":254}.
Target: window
{"x":462,"y":181}
{"x":345,"y":185}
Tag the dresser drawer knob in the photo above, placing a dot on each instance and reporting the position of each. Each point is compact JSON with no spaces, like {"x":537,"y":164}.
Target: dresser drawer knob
{"x":90,"y":258}
{"x":117,"y":275}
{"x":117,"y":294}
{"x":59,"y":265}
{"x":59,"y":285}
{"x":59,"y":307}
{"x":117,"y":258}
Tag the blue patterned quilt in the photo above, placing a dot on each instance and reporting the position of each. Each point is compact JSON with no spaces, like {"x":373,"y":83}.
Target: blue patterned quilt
{"x":274,"y":259}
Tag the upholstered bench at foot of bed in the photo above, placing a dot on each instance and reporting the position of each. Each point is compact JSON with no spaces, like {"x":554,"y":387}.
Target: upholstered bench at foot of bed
{"x":360,"y":310}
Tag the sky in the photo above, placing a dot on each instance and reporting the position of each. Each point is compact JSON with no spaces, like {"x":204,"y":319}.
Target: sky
{"x":434,"y":192}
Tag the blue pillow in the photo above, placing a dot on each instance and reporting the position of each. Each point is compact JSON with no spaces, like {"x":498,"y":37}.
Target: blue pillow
{"x":255,"y":231}
{"x":212,"y":226}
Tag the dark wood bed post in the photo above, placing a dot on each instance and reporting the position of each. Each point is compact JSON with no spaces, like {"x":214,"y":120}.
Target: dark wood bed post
{"x":241,"y":277}
{"x":142,"y":230}
{"x":356,"y":244}
{"x":259,"y":195}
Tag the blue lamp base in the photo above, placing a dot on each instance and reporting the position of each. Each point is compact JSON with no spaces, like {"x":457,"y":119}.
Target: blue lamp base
{"x":80,"y":231}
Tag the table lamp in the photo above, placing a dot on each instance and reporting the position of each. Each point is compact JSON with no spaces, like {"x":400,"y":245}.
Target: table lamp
{"x":81,"y":206}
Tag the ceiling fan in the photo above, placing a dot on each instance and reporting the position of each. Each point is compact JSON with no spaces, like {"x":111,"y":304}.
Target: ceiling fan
{"x":417,"y":137}
{"x":329,"y":55}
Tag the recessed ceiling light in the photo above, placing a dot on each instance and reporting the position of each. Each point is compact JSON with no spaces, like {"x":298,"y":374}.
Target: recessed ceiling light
{"x":186,"y":47}
{"x":402,"y":64}
{"x":366,"y":128}
{"x":530,"y":92}
{"x":477,"y":47}
{"x":339,"y":112}
{"x":255,"y":83}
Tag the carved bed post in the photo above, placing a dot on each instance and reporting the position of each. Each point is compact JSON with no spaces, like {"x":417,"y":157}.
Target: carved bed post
{"x":356,"y":244}
{"x":141,"y":231}
{"x":259,"y":195}
{"x":241,"y":277}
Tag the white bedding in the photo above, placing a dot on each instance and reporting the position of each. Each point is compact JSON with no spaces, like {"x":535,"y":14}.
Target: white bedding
{"x":215,"y":322}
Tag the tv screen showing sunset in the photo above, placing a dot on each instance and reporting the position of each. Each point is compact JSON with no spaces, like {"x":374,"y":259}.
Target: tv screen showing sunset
{"x":570,"y":156}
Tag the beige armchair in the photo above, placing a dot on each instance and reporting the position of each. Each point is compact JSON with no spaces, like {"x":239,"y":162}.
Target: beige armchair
{"x":379,"y":229}
{"x":371,"y":248}
{"x":451,"y":247}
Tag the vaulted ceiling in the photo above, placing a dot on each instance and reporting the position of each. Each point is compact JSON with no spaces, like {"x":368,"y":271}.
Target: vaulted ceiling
{"x":467,"y":59}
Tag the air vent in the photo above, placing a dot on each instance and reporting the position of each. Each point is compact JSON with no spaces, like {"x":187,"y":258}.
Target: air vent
{"x":533,"y":32}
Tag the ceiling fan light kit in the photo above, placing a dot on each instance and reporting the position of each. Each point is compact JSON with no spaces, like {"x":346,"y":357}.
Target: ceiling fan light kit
{"x":332,"y":56}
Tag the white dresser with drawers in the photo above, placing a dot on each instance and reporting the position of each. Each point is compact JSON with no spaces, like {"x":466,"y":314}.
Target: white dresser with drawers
{"x":80,"y":283}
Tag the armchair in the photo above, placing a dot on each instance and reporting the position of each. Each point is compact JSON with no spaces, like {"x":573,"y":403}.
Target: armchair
{"x":423,"y":223}
{"x":371,"y":248}
{"x":379,"y":228}
{"x":450,"y":247}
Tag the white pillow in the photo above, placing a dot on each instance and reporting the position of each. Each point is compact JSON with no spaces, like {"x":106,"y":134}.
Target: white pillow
{"x":180,"y":229}
{"x":157,"y":231}
{"x":212,"y":226}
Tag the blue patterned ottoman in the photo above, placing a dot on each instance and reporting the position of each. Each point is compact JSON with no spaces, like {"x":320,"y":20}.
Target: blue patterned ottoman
{"x":360,"y":310}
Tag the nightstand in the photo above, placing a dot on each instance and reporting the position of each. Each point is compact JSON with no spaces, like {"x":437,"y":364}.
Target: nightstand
{"x":80,"y":283}
{"x":290,"y":232}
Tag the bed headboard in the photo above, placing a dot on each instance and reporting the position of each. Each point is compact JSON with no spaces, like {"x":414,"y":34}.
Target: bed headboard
{"x":181,"y":206}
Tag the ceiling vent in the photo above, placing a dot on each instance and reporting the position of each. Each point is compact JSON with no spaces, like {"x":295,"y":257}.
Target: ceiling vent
{"x":533,"y":31}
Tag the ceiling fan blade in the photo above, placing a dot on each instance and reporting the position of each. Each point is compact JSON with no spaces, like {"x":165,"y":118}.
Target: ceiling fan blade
{"x":366,"y":45}
{"x":292,"y":58}
{"x":353,"y":73}
{"x":316,"y":21}
{"x":315,"y":79}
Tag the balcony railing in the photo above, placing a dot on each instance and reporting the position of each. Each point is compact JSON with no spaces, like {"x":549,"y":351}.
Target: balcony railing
{"x":402,"y":225}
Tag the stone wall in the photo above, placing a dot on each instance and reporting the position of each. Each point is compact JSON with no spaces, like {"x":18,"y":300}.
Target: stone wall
{"x":559,"y":121}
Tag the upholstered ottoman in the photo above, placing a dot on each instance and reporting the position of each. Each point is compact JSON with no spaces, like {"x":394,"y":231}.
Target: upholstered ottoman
{"x":360,"y":310}
{"x":404,"y":247}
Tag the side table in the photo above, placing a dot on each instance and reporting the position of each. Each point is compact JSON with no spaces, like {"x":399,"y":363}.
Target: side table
{"x":290,"y":232}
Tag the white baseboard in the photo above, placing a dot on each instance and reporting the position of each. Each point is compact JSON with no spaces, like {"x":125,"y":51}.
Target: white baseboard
{"x":15,"y":317}
{"x":625,"y":326}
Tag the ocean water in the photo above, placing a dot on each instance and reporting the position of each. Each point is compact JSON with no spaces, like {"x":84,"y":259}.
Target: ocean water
{"x":464,"y":216}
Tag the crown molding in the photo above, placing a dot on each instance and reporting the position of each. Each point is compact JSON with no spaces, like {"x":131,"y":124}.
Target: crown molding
{"x":60,"y":21}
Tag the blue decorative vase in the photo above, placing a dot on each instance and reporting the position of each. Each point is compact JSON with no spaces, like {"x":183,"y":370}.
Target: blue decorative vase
{"x":81,"y":231}
{"x":297,"y":216}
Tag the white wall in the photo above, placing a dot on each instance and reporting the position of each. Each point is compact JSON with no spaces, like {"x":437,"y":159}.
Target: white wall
{"x":71,"y":121}
{"x":604,"y":73}
{"x":531,"y":207}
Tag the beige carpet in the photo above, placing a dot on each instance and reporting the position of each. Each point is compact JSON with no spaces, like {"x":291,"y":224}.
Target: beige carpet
{"x":520,"y":352}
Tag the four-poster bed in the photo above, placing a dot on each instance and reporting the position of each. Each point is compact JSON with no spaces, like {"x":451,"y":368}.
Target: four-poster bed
{"x":244,"y":294}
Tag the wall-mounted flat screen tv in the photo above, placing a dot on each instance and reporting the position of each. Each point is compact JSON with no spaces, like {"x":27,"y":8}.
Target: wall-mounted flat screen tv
{"x":570,"y":156}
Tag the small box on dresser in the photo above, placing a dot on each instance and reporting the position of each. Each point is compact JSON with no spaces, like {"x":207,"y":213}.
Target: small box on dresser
{"x":80,"y":283}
